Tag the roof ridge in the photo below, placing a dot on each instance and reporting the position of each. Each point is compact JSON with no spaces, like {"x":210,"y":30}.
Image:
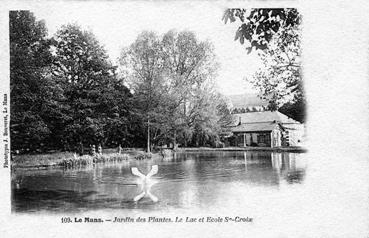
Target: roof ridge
{"x":252,"y":112}
{"x":264,"y":117}
{"x":259,"y":122}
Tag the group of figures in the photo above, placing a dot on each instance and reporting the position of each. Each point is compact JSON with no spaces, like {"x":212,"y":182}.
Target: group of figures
{"x":99,"y":150}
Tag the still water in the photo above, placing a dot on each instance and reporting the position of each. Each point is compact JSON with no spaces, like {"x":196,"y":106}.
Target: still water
{"x":189,"y":180}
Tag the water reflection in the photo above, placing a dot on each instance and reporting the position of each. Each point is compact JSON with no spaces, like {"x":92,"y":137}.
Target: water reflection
{"x":289,"y":166}
{"x":185,"y":180}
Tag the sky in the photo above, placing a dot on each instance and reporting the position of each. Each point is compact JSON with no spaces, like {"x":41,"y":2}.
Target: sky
{"x":117,"y":24}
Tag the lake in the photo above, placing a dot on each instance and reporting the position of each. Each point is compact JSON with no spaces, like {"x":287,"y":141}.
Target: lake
{"x":189,"y":180}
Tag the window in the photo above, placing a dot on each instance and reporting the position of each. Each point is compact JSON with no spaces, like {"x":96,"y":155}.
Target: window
{"x":264,"y":138}
{"x":261,"y":138}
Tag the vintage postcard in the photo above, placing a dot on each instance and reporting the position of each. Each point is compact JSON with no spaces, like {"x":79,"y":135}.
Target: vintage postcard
{"x":184,"y":119}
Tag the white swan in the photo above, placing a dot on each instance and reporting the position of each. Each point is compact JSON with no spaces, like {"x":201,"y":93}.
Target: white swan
{"x":145,"y":183}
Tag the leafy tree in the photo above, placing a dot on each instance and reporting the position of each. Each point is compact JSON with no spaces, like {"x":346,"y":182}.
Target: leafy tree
{"x":168,"y":75}
{"x":279,"y":80}
{"x":259,"y":25}
{"x":142,"y":66}
{"x":189,"y":65}
{"x":212,"y":114}
{"x":295,"y":110}
{"x":224,"y":116}
{"x":275,"y":35}
{"x":93,"y":94}
{"x":33,"y":95}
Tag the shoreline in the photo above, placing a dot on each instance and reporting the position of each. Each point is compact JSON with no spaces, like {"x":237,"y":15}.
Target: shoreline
{"x":70,"y":160}
{"x":277,"y":149}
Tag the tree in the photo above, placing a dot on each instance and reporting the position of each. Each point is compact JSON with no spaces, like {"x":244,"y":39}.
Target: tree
{"x":190,"y":64}
{"x":259,"y":25}
{"x":33,"y":95}
{"x":295,"y":110}
{"x":275,"y":35}
{"x":142,"y":66}
{"x":169,"y":75}
{"x":279,"y":80}
{"x":211,"y":116}
{"x":94,"y":96}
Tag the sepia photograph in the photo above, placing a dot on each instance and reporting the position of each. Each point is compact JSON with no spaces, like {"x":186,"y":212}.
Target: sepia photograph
{"x":179,"y":114}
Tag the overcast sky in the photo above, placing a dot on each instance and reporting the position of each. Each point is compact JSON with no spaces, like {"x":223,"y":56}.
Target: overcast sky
{"x":117,"y":25}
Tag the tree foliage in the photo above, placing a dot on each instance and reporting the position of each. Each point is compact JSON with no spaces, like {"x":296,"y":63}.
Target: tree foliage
{"x":142,"y":66}
{"x":280,"y":80}
{"x":33,"y":96}
{"x":190,"y":67}
{"x":94,"y":96}
{"x":66,"y":94}
{"x":276,"y":35}
{"x":259,"y":25}
{"x":171,"y":77}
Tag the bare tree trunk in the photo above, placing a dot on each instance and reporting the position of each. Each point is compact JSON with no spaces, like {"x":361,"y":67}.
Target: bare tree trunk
{"x":148,"y":136}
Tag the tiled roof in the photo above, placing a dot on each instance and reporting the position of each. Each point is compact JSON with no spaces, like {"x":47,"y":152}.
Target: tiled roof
{"x":264,"y":116}
{"x":251,"y":127}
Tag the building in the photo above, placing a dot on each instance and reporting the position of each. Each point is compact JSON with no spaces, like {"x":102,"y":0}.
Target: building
{"x":266,"y":129}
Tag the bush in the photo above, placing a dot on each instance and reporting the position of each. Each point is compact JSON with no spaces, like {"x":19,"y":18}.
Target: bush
{"x":219,"y":144}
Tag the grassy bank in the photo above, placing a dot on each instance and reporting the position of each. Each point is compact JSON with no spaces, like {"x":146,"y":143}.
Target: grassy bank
{"x":70,"y":160}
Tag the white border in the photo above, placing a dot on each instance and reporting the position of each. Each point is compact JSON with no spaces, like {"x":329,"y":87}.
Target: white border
{"x":335,"y":56}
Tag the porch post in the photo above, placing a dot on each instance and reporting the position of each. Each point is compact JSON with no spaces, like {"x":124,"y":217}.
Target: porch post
{"x":244,"y":139}
{"x":272,"y":140}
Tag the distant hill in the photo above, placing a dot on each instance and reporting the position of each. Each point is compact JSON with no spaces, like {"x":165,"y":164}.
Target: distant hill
{"x":247,"y":101}
{"x":252,"y":102}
